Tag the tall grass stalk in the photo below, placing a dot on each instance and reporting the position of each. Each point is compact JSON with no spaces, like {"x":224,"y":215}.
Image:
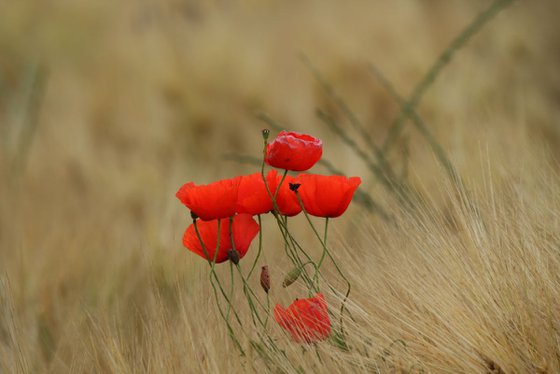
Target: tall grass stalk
{"x":437,"y":67}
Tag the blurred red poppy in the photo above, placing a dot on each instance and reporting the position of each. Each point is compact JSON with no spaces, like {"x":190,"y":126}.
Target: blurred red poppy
{"x":326,"y":196}
{"x":293,"y":151}
{"x":307,"y":320}
{"x":212,"y":201}
{"x":244,"y":228}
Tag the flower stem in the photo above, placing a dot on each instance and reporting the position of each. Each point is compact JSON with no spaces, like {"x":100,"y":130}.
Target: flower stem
{"x":212,"y":271}
{"x":325,"y":249}
{"x":260,"y":248}
{"x":316,"y":277}
{"x":267,"y":310}
{"x":293,"y":249}
{"x":248,"y":291}
{"x":217,"y":280}
{"x":283,"y":225}
{"x":230,"y":289}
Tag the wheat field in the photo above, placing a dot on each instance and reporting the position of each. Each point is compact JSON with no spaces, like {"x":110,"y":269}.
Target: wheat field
{"x":107,"y":108}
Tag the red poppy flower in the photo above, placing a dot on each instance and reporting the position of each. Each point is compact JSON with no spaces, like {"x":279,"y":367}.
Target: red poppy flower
{"x":307,"y":320}
{"x":244,"y":230}
{"x":326,"y":196}
{"x":286,"y":200}
{"x":253,"y":198}
{"x":293,"y":151}
{"x":212,"y":201}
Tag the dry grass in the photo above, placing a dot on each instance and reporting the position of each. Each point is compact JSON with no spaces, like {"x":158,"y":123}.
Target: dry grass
{"x":107,"y":107}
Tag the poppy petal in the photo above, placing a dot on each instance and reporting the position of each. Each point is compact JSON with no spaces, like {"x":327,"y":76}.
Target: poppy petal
{"x":286,"y":200}
{"x":253,"y":198}
{"x":212,"y":201}
{"x":245,"y":228}
{"x":326,"y":196}
{"x":294,"y":151}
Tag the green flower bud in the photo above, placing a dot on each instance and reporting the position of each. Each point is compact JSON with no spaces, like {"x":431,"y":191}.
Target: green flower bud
{"x":292,"y":276}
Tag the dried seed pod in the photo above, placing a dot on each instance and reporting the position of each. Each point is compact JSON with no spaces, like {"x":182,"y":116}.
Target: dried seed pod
{"x":233,"y":256}
{"x":294,"y":186}
{"x":291,"y":277}
{"x":265,"y":278}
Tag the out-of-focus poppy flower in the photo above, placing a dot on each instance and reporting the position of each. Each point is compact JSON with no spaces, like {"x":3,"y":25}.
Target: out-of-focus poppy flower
{"x":244,"y":228}
{"x":326,"y":196}
{"x":212,"y":201}
{"x":307,"y":320}
{"x":293,"y":151}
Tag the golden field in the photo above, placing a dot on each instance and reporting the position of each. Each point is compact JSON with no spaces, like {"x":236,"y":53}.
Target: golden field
{"x":107,"y":108}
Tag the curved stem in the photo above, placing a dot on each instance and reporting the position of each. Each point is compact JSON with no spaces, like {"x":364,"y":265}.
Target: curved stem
{"x":343,"y":306}
{"x":248,"y":292}
{"x":230,"y":289}
{"x":213,"y":276}
{"x":288,"y":238}
{"x":278,"y":190}
{"x":212,"y":271}
{"x":316,"y":277}
{"x":267,"y":309}
{"x":283,"y":226}
{"x":297,"y":261}
{"x":260,"y":248}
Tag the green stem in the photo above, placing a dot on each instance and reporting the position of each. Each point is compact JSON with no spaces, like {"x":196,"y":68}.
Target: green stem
{"x":297,"y":261}
{"x":260,"y":248}
{"x":244,"y":287}
{"x":343,"y":306}
{"x":323,"y":255}
{"x":283,"y":226}
{"x":267,"y":310}
{"x":230,"y":289}
{"x":213,"y":274}
{"x":248,"y":291}
{"x":276,"y":210}
{"x":278,"y":190}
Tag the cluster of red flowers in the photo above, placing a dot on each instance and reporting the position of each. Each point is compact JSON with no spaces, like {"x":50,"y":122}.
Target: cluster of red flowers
{"x":228,"y":205}
{"x":322,"y":196}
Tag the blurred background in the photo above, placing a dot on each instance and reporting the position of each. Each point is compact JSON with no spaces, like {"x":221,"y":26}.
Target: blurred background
{"x":107,"y":107}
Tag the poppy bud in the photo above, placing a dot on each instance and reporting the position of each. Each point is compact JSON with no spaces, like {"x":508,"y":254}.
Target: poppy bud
{"x":265,"y":278}
{"x":294,"y":186}
{"x":265,"y":133}
{"x":233,"y":256}
{"x":291,"y":277}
